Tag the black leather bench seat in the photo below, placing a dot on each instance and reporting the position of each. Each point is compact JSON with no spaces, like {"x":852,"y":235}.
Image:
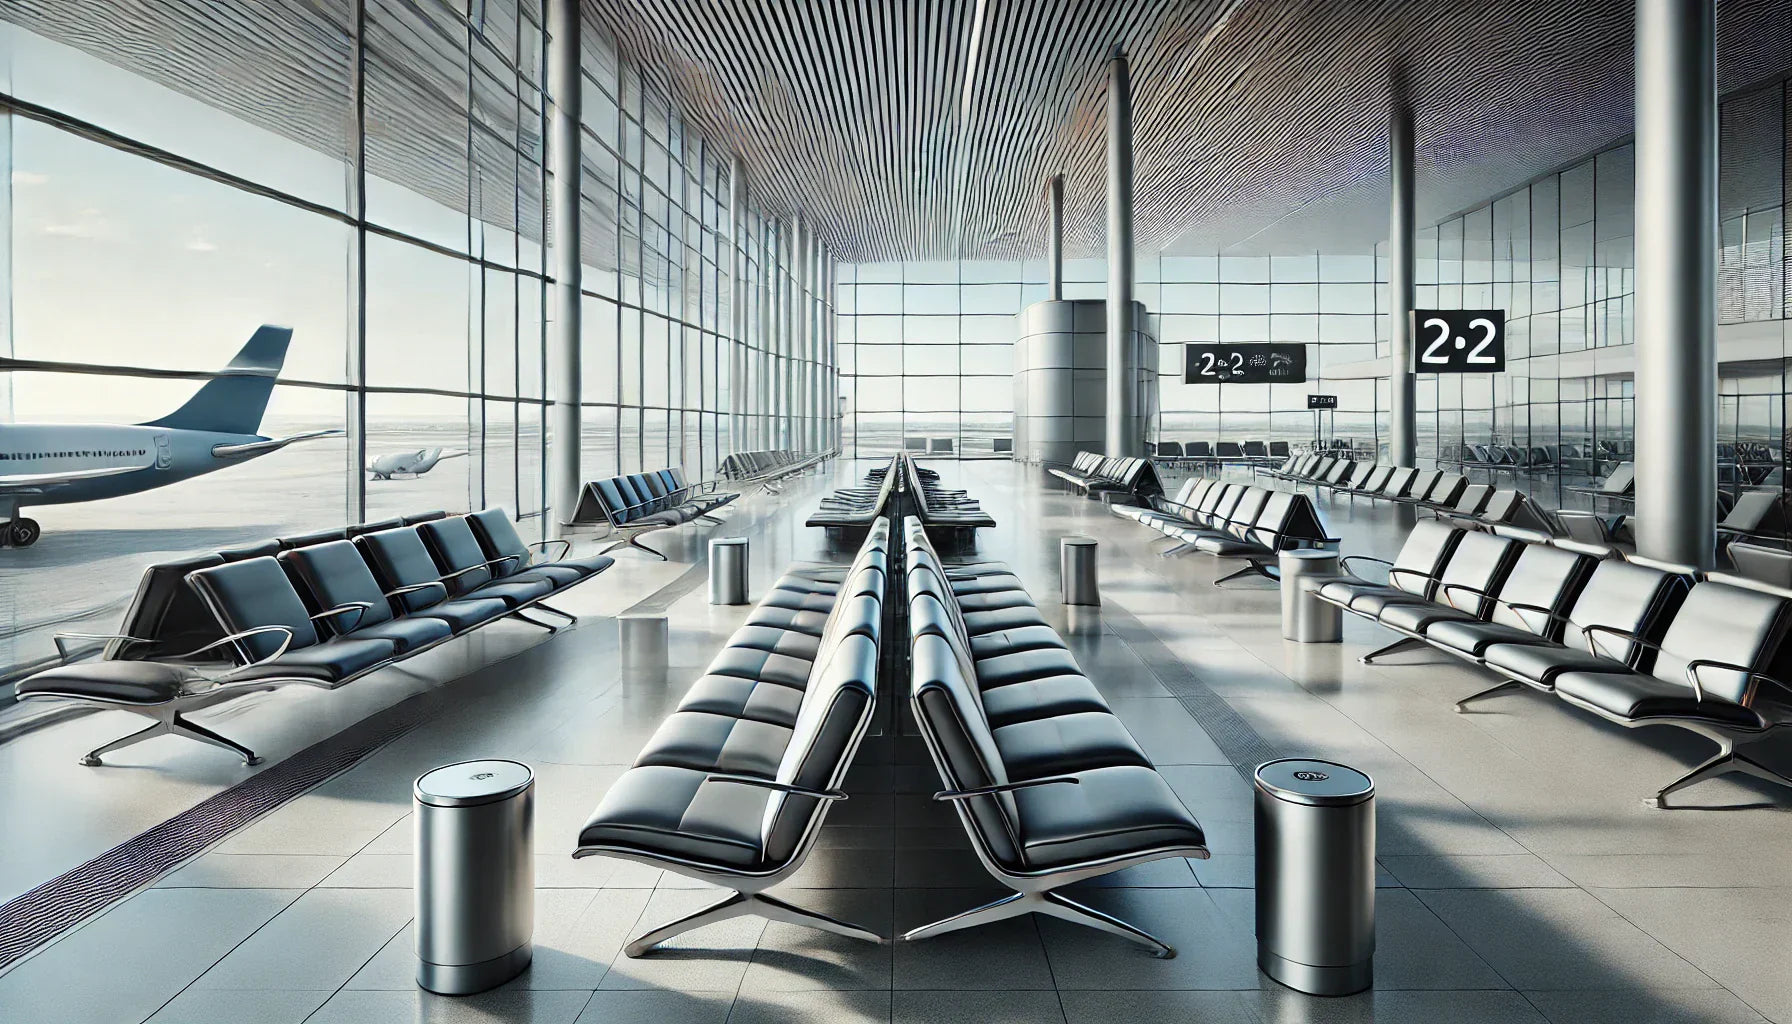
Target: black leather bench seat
{"x":760,"y":700}
{"x":664,"y":809}
{"x":124,"y":682}
{"x":1636,"y":696}
{"x":1539,"y":664}
{"x":1111,"y":812}
{"x":332,"y":661}
{"x":717,"y":742}
{"x":1045,"y":697}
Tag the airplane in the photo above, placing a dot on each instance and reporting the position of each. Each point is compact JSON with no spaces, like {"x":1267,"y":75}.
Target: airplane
{"x":63,"y":464}
{"x":414,"y":463}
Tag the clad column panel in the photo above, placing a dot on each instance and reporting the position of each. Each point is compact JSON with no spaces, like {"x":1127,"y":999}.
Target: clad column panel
{"x":737,"y":305}
{"x":563,"y":334}
{"x":1123,"y":436}
{"x":1402,"y":418}
{"x":1054,"y":252}
{"x":1676,"y":281}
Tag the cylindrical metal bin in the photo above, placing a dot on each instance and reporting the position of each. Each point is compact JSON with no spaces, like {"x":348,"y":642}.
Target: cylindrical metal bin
{"x":1076,"y":571}
{"x":1315,"y":876}
{"x":475,"y":876}
{"x":728,"y":570}
{"x":1305,"y":618}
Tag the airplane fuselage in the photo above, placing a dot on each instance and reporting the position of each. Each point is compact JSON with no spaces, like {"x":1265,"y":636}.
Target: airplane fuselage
{"x":144,"y":458}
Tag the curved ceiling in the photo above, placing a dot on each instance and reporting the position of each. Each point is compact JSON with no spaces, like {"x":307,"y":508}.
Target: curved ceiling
{"x":926,"y":129}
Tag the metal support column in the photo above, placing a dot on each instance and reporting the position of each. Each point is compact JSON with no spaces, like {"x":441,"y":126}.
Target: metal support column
{"x":1122,"y":434}
{"x":1676,"y":280}
{"x":1402,"y":419}
{"x":1054,"y":239}
{"x":563,"y":333}
{"x":737,"y":306}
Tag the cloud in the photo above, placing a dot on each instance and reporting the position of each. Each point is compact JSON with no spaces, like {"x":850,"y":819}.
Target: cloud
{"x":86,"y":230}
{"x":29,"y":178}
{"x":197,"y":244}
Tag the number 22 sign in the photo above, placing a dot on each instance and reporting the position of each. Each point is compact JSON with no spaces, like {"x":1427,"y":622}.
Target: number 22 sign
{"x":1459,"y":340}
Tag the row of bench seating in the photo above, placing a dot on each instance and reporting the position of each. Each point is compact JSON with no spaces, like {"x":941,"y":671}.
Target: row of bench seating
{"x":768,"y":467}
{"x":1203,"y":453}
{"x":1233,"y":521}
{"x":1092,"y":475}
{"x":1442,"y":494}
{"x":947,"y":513}
{"x":733,"y":787}
{"x":1050,"y":786}
{"x":638,"y":503}
{"x":851,"y":510}
{"x":321,"y":611}
{"x":1635,"y":642}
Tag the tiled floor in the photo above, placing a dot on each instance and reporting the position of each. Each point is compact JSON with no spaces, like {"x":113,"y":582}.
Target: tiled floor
{"x":1522,"y":878}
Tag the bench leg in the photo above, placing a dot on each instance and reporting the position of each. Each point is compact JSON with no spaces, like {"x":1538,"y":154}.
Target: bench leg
{"x":1405,"y":643}
{"x":1254,"y":569}
{"x":542,"y":606}
{"x":1012,"y":905}
{"x":522,"y":617}
{"x":1728,"y":760}
{"x":1492,"y":691}
{"x":1066,"y":909}
{"x":775,"y":909}
{"x":168,"y":721}
{"x":159,"y":728}
{"x":193,"y":731}
{"x":735,"y":904}
{"x":633,"y":540}
{"x":1175,"y":549}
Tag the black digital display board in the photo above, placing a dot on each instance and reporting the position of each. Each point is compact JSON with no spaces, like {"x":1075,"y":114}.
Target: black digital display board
{"x":1322,"y":401}
{"x":1252,"y":363}
{"x":1459,"y":340}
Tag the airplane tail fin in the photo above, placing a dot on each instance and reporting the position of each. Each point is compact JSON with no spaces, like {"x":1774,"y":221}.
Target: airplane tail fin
{"x":233,"y":401}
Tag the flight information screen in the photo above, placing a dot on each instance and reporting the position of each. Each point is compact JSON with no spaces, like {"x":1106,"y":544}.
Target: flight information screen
{"x":1244,"y":364}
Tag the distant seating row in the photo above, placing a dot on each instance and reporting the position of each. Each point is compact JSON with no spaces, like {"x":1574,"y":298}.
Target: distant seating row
{"x":644,"y":502}
{"x":901,"y":487}
{"x":769,"y":467}
{"x":944,"y":512}
{"x":1233,"y":521}
{"x":733,"y":787}
{"x":1050,"y":786}
{"x":1635,"y":642}
{"x":1092,"y":474}
{"x":321,"y":610}
{"x":1203,"y":453}
{"x":1448,"y":495}
{"x":850,"y":510}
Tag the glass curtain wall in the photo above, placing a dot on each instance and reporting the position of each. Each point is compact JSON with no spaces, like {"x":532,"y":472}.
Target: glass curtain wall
{"x":370,"y":174}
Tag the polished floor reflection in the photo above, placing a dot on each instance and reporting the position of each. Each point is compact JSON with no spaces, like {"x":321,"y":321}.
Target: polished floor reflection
{"x":1521,"y":876}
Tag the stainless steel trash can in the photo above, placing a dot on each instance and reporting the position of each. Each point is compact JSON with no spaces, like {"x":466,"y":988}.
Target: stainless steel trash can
{"x":645,"y":638}
{"x":1305,"y":618}
{"x":475,"y":875}
{"x":728,"y":570}
{"x":1076,"y":571}
{"x":1315,"y":876}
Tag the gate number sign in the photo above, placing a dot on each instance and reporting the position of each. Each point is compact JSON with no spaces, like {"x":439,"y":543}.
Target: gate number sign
{"x":1459,"y":340}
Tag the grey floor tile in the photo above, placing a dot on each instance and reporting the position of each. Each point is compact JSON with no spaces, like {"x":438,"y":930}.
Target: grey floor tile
{"x":1226,"y":871}
{"x":252,"y":871}
{"x":122,"y":966}
{"x":318,"y":942}
{"x":1740,"y":937}
{"x":711,"y":958}
{"x":1559,"y":939}
{"x":1159,"y":1007}
{"x":834,"y":1007}
{"x":1167,"y":732}
{"x":657,"y":1007}
{"x":1012,"y":1007}
{"x":1278,"y":1005}
{"x":511,"y":1005}
{"x":373,"y":871}
{"x":1004,"y":955}
{"x":793,"y":958}
{"x":1648,"y":1006}
{"x":264,"y":1006}
{"x":1498,"y":871}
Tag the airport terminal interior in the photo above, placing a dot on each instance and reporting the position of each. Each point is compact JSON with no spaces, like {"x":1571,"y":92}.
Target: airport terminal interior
{"x":917,"y":511}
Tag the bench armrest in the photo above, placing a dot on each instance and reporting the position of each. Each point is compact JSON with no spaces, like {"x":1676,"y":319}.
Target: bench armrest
{"x":285,"y":642}
{"x":565,"y":546}
{"x":360,"y":608}
{"x":1692,"y":676}
{"x":59,"y":639}
{"x":775,"y":786}
{"x":1625,"y":634}
{"x":414,"y":587}
{"x":1345,"y":561}
{"x":947,"y":795}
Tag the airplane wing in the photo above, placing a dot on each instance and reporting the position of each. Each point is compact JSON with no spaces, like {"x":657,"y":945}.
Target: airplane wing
{"x":29,"y":482}
{"x":238,"y":451}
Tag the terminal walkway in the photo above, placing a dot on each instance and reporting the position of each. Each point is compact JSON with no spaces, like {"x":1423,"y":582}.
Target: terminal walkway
{"x":1521,"y":876}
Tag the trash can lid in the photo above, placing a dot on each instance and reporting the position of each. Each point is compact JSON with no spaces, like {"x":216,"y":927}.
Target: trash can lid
{"x":1305,"y":780}
{"x":1312,"y":554}
{"x":471,"y":783}
{"x":728,"y":542}
{"x":1079,"y":541}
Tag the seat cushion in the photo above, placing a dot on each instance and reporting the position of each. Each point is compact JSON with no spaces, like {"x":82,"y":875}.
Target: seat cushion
{"x":1542,"y":663}
{"x":1041,"y":698}
{"x":1632,"y":696}
{"x":762,"y":665}
{"x":802,"y":620}
{"x":511,"y":593}
{"x":118,"y":682}
{"x":697,"y":739}
{"x":1002,"y":669}
{"x":465,"y":613}
{"x":408,"y":633}
{"x":670,"y":811}
{"x":744,"y":698}
{"x":792,"y":642}
{"x":980,"y":623}
{"x":795,"y":601}
{"x":993,"y":600}
{"x":1372,"y":602}
{"x":1013,"y":641}
{"x":556,"y":576}
{"x":992,"y":583}
{"x":1474,"y":637}
{"x":331,"y":661}
{"x":1415,"y":616}
{"x":1113,"y":812}
{"x":1066,"y":743}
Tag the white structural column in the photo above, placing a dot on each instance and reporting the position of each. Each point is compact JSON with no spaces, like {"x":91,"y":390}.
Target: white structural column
{"x":563,"y":332}
{"x":737,"y":305}
{"x":1054,"y":239}
{"x":1122,"y":423}
{"x":1676,"y":280}
{"x":1402,"y":398}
